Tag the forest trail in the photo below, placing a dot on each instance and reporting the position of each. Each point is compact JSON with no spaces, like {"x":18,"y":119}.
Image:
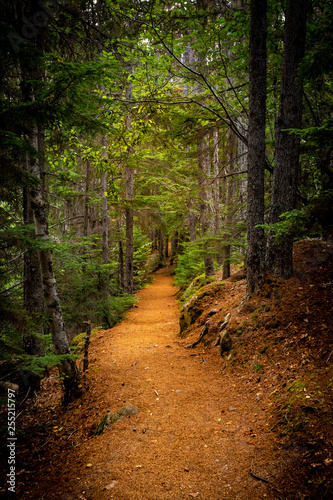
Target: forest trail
{"x":198,"y":433}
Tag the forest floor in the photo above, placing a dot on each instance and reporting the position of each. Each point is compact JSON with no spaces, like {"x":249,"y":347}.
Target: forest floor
{"x":254,"y":424}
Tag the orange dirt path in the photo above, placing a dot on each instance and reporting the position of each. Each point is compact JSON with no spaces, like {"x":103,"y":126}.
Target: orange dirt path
{"x":198,"y":432}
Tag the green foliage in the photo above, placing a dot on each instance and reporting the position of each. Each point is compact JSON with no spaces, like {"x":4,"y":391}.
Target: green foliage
{"x":257,"y":367}
{"x":88,"y":288}
{"x":111,"y":309}
{"x":195,"y":286}
{"x":141,"y":252}
{"x":312,"y":220}
{"x":100,"y":427}
{"x":190,"y":263}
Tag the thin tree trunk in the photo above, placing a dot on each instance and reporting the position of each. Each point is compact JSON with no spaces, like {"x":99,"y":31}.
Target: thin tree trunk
{"x":67,"y":368}
{"x":216,"y":184}
{"x":174,"y":246}
{"x":32,"y":286}
{"x":256,"y":146}
{"x":86,"y":201}
{"x":105,"y":220}
{"x":166,"y":249}
{"x":192,"y":224}
{"x":287,"y":145}
{"x":161,"y":243}
{"x":203,"y":175}
{"x":226,"y":262}
{"x":121,"y":266}
{"x":129,"y":286}
{"x":229,"y":201}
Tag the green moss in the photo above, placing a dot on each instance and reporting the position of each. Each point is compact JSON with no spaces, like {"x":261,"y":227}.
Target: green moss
{"x":100,"y":426}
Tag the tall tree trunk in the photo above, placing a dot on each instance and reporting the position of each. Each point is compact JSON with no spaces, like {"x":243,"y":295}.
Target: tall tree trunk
{"x":105,"y":220}
{"x":229,"y":201}
{"x":161,"y":244}
{"x":33,"y":285}
{"x":287,"y":145}
{"x":120,"y":266}
{"x":67,"y":368}
{"x":256,"y":146}
{"x":216,"y":184}
{"x":166,"y":249}
{"x":203,"y":176}
{"x":192,"y":229}
{"x":174,"y":247}
{"x":86,"y":201}
{"x":129,"y":286}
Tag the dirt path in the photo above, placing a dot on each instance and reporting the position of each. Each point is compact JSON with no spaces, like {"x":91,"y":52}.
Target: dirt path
{"x":198,"y":431}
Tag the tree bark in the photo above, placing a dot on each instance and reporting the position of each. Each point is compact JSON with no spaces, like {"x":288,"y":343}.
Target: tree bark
{"x":105,"y":220}
{"x":206,"y":197}
{"x":37,"y":196}
{"x":287,"y":145}
{"x":129,"y":286}
{"x":86,"y":201}
{"x":231,"y":148}
{"x":33,"y":284}
{"x":120,"y":266}
{"x":67,"y":368}
{"x":256,"y":146}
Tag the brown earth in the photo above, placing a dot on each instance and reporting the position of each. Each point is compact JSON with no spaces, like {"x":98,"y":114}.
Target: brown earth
{"x":253,"y":424}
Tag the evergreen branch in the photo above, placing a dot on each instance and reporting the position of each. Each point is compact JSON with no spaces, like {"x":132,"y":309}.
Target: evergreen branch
{"x":11,"y":287}
{"x":230,"y":82}
{"x":65,"y":220}
{"x":215,"y":93}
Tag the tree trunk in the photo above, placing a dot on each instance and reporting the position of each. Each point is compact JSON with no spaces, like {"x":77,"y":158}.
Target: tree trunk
{"x":166,"y":249}
{"x":120,"y":266}
{"x":86,"y":201}
{"x":192,"y":223}
{"x":231,"y":149}
{"x":129,"y":286}
{"x":287,"y":145}
{"x":105,"y":220}
{"x":161,"y":243}
{"x":203,"y":175}
{"x":256,"y":146}
{"x":216,"y":183}
{"x":67,"y":368}
{"x":37,"y":195}
{"x":174,"y":246}
{"x":33,"y":285}
{"x":226,"y":262}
